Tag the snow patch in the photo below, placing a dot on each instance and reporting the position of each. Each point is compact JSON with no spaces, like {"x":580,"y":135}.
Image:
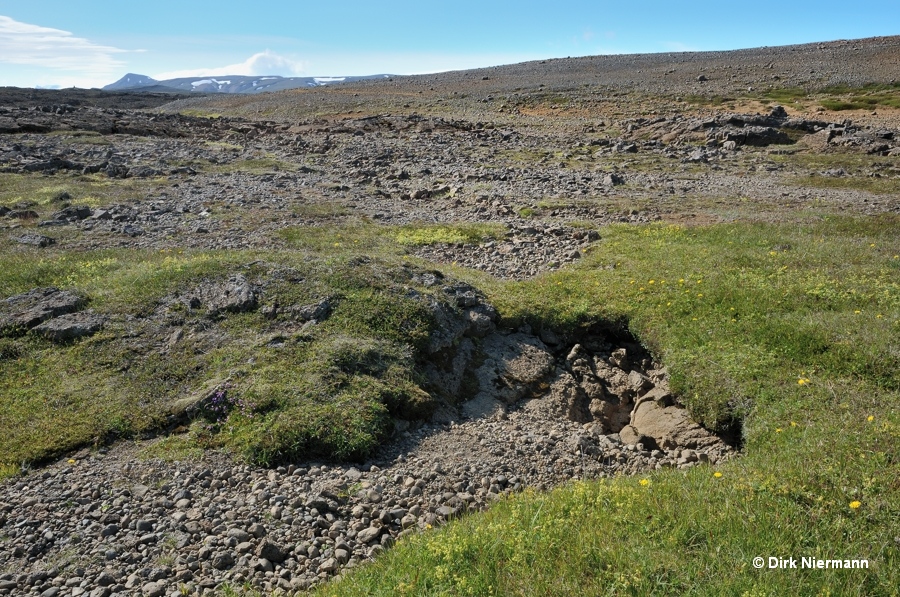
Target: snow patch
{"x":210,"y":82}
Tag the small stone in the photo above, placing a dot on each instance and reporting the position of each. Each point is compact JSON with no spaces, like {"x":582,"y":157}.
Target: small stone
{"x":132,"y":581}
{"x":368,"y":535}
{"x":222,"y":561}
{"x":240,"y":535}
{"x":328,"y":566}
{"x":153,"y":589}
{"x":271,"y":552}
{"x":242,"y":548}
{"x":143,"y":526}
{"x":408,"y":521}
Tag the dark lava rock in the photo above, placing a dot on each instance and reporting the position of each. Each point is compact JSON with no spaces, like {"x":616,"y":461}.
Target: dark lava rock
{"x":38,"y":240}
{"x":271,"y":552}
{"x":234,"y":295}
{"x":315,"y":311}
{"x":25,"y":311}
{"x":74,"y":212}
{"x":22,"y":214}
{"x":71,"y":326}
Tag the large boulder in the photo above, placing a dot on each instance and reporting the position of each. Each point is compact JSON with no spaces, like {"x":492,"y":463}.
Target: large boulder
{"x":234,"y":295}
{"x":669,"y":426}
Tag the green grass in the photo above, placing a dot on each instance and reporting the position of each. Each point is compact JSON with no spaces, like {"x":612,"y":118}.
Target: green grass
{"x":82,"y":137}
{"x":790,"y":96}
{"x":866,"y":97}
{"x":832,"y":97}
{"x":329,"y":391}
{"x":197,"y":113}
{"x":741,"y":314}
{"x":83,"y":189}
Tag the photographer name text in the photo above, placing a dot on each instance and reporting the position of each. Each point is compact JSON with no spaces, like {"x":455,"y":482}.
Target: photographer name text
{"x":815,"y":563}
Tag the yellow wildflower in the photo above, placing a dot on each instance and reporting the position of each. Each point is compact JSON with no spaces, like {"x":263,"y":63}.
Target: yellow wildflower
{"x":644,"y":482}
{"x":717,"y":474}
{"x":855,"y":504}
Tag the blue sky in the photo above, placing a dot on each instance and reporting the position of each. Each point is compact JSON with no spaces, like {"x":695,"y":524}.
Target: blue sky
{"x":66,"y":43}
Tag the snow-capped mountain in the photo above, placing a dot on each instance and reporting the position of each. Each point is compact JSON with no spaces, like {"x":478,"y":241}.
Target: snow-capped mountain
{"x":229,"y":84}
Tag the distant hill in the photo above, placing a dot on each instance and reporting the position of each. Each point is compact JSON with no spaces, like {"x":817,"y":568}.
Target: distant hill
{"x":131,"y":81}
{"x":228,"y":84}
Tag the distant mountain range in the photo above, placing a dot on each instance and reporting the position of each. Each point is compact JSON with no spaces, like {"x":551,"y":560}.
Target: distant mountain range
{"x":229,"y":84}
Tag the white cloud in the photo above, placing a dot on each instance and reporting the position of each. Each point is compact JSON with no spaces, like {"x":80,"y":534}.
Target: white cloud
{"x":677,"y":46}
{"x":43,"y":49}
{"x":260,"y":64}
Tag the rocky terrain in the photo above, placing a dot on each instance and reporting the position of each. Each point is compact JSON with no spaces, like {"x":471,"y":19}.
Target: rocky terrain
{"x":545,"y":154}
{"x":544,"y":409}
{"x":106,"y":522}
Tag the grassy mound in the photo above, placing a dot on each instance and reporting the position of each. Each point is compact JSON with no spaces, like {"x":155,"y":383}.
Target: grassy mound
{"x":263,"y":383}
{"x":790,"y":328}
